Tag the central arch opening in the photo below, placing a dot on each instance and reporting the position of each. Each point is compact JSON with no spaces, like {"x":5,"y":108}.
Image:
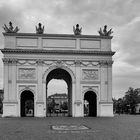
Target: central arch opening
{"x":59,"y":93}
{"x":90,"y":104}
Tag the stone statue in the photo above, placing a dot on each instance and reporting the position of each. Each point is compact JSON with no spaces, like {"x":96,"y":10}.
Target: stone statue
{"x":39,"y":29}
{"x":10,"y":29}
{"x":77,"y":31}
{"x":105,"y":32}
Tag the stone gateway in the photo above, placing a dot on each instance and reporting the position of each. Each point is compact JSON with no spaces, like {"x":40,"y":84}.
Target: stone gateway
{"x":31,"y":60}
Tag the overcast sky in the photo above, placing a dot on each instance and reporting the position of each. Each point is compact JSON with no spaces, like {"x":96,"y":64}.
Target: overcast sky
{"x":59,"y":16}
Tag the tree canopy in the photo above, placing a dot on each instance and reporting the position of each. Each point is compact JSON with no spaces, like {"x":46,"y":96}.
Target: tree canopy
{"x":128,"y":103}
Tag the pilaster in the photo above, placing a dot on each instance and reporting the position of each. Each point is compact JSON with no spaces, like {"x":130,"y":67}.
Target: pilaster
{"x":109,"y":70}
{"x":39,"y":77}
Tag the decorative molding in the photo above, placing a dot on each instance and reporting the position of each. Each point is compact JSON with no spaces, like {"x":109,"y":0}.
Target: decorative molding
{"x":77,"y":63}
{"x":47,"y":71}
{"x":31,"y":88}
{"x":23,"y":62}
{"x":86,"y":63}
{"x":91,"y":88}
{"x":89,"y":63}
{"x":110,"y":63}
{"x":39,"y":62}
{"x":27,"y":81}
{"x":90,"y":74}
{"x":90,"y":82}
{"x":40,"y":51}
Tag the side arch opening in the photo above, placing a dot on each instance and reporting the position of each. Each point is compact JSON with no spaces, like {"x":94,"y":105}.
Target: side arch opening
{"x":27,"y":104}
{"x":90,"y":104}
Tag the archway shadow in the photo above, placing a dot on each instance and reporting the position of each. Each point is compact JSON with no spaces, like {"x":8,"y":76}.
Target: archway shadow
{"x":27,"y":104}
{"x":90,"y":106}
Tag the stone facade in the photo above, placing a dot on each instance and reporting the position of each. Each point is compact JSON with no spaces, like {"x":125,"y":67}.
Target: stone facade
{"x":30,"y":59}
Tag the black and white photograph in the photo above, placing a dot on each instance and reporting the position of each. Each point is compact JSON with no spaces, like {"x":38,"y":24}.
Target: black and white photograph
{"x":69,"y":69}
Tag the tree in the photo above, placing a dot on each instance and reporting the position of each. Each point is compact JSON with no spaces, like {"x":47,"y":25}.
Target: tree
{"x":51,"y":106}
{"x":64,"y":106}
{"x":132,"y":98}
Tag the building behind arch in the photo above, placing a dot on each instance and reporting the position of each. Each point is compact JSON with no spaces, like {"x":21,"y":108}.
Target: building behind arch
{"x":30,"y":57}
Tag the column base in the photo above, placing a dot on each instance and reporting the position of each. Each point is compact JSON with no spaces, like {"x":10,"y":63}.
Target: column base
{"x":106,"y":109}
{"x":10,"y":109}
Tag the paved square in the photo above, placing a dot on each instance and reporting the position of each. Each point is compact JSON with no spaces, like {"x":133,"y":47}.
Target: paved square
{"x":123,"y":127}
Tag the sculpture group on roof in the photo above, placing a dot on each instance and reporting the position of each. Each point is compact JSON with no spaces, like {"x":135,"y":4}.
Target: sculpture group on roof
{"x":10,"y":29}
{"x":77,"y":30}
{"x":104,"y":32}
{"x":40,"y":29}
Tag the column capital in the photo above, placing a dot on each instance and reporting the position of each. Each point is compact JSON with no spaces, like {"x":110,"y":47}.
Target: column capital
{"x":106,"y":63}
{"x":77,"y":63}
{"x":10,"y":60}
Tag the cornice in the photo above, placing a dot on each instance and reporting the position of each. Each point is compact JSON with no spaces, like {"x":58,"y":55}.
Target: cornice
{"x":74,"y":52}
{"x":56,"y":35}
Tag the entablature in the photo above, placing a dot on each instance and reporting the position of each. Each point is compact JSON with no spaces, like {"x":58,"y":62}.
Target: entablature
{"x":45,"y":62}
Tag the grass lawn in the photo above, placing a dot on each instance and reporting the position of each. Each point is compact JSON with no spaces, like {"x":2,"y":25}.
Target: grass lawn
{"x":123,"y":127}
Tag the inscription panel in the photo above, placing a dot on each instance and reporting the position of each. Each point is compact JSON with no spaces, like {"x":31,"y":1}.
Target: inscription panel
{"x":90,"y":44}
{"x":59,"y":43}
{"x":27,"y":74}
{"x":27,"y":42}
{"x":90,"y":74}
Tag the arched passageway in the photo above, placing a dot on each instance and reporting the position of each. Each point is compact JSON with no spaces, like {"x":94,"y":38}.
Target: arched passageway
{"x":90,"y":104}
{"x":27,"y":104}
{"x":60,"y":74}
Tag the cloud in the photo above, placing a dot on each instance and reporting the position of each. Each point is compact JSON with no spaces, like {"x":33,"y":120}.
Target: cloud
{"x":60,"y":16}
{"x":56,"y":86}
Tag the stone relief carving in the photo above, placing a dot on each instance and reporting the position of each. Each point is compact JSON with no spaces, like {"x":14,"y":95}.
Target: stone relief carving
{"x":26,"y":73}
{"x":90,"y":74}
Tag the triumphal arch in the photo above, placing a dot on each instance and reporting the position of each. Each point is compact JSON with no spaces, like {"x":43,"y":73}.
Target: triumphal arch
{"x":31,"y":60}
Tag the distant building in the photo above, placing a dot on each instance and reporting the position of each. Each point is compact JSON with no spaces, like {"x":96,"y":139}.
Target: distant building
{"x":58,"y":98}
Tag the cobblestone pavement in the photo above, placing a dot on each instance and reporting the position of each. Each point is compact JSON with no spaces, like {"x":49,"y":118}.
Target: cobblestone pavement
{"x":123,"y":127}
